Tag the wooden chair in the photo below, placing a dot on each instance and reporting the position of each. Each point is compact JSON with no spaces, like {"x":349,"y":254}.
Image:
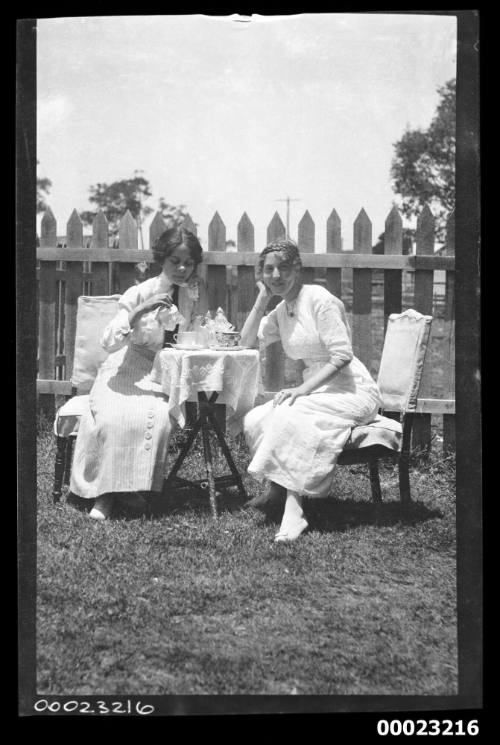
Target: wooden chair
{"x":400,"y":372}
{"x":93,"y":315}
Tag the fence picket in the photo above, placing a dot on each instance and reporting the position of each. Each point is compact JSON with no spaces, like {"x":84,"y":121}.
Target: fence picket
{"x":157,"y":227}
{"x":306,"y":244}
{"x":334,"y":245}
{"x":127,"y":239}
{"x":393,"y":244}
{"x":127,"y":232}
{"x":74,"y":288}
{"x":46,"y":310}
{"x":274,"y":370}
{"x":275,"y":229}
{"x":306,"y":236}
{"x":216,"y":284}
{"x":188,"y":224}
{"x":245,"y":274}
{"x":46,"y":327}
{"x":74,"y":231}
{"x":362,"y":292}
{"x":423,"y":301}
{"x":449,"y":340}
{"x":101,"y":270}
{"x":48,"y":229}
{"x":100,"y":231}
{"x":216,"y":275}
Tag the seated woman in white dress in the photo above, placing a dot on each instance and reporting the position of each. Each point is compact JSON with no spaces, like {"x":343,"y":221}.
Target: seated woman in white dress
{"x":295,"y":439}
{"x":122,"y":441}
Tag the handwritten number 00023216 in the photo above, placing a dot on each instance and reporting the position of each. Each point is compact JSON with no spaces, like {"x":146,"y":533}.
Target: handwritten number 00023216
{"x":93,"y":707}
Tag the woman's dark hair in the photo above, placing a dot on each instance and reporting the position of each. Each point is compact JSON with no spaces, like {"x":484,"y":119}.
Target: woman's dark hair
{"x":171,"y":239}
{"x":285,"y":246}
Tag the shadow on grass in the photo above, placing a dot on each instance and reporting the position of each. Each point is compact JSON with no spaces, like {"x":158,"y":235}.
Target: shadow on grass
{"x":185,"y":501}
{"x":173,"y":502}
{"x":336,"y":515}
{"x":325,"y":515}
{"x":82,"y":505}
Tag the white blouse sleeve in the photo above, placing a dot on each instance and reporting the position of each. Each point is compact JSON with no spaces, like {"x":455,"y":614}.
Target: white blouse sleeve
{"x":333,"y":332}
{"x":269,"y":331}
{"x":116,"y":333}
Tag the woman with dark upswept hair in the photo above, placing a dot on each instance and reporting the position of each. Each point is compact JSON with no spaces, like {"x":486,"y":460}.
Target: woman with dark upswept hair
{"x":122,"y":441}
{"x":295,"y":439}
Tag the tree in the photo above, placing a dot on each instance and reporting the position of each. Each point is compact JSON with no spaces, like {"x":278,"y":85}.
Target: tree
{"x":408,"y":238}
{"x":173,"y":216}
{"x":43,"y":186}
{"x":423,"y":168}
{"x":116,"y":198}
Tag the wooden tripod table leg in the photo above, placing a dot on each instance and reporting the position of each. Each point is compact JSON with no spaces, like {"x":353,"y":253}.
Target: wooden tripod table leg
{"x":207,"y":421}
{"x":227,"y":452}
{"x":185,"y":450}
{"x":207,"y":451}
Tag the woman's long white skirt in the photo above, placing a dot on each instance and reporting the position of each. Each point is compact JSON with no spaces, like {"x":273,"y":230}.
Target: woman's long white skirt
{"x":122,"y":440}
{"x":297,"y":446}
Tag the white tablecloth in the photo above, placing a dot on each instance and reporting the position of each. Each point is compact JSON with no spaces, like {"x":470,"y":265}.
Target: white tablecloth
{"x":234,"y":375}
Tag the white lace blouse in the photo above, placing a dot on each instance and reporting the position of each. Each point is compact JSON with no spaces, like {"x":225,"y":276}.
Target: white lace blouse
{"x":316,"y":333}
{"x":148,"y":330}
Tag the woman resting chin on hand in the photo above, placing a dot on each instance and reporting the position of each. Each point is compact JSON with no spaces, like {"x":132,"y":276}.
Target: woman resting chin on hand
{"x":296,"y":438}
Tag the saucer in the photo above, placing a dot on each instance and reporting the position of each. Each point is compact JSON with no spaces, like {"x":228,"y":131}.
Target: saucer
{"x":228,"y":349}
{"x":188,"y":347}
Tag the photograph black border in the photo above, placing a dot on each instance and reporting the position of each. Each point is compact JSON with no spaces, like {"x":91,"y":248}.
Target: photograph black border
{"x":468,"y":407}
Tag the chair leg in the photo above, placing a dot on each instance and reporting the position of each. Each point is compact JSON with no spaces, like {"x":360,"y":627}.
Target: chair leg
{"x":375,"y":482}
{"x":404,"y":481}
{"x":59,"y":468}
{"x":69,"y":460}
{"x":404,"y":461}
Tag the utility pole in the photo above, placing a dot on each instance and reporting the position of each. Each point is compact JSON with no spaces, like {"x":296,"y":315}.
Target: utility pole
{"x":288,"y":200}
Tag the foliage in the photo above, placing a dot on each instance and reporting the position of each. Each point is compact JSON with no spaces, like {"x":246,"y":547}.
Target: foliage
{"x":116,"y":198}
{"x":43,"y":186}
{"x":130,"y":194}
{"x":173,"y":216}
{"x":408,"y":238}
{"x":423,"y":168}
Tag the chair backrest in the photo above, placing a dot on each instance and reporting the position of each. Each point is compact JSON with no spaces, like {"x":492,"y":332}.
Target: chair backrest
{"x":402,"y":362}
{"x":92,"y":316}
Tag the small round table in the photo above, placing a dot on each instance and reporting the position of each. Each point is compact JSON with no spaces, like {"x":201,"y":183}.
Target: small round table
{"x":208,"y":376}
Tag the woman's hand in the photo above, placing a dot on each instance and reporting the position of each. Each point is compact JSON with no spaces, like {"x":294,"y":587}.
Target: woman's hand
{"x":263,"y":289}
{"x":162,"y":300}
{"x":289,"y":394}
{"x":251,"y":325}
{"x":264,"y":295}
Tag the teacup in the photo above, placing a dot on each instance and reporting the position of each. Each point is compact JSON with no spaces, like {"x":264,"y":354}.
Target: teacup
{"x":202,"y":337}
{"x":186,"y":338}
{"x":227,"y":338}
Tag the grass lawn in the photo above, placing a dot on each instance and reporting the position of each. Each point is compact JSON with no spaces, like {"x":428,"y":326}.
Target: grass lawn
{"x":176,"y":603}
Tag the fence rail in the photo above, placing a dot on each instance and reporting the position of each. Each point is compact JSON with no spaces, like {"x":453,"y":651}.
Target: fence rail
{"x":346,"y":260}
{"x":371,"y":285}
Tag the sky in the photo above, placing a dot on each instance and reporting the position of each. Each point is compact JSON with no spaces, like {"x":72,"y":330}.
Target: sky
{"x":231,"y":116}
